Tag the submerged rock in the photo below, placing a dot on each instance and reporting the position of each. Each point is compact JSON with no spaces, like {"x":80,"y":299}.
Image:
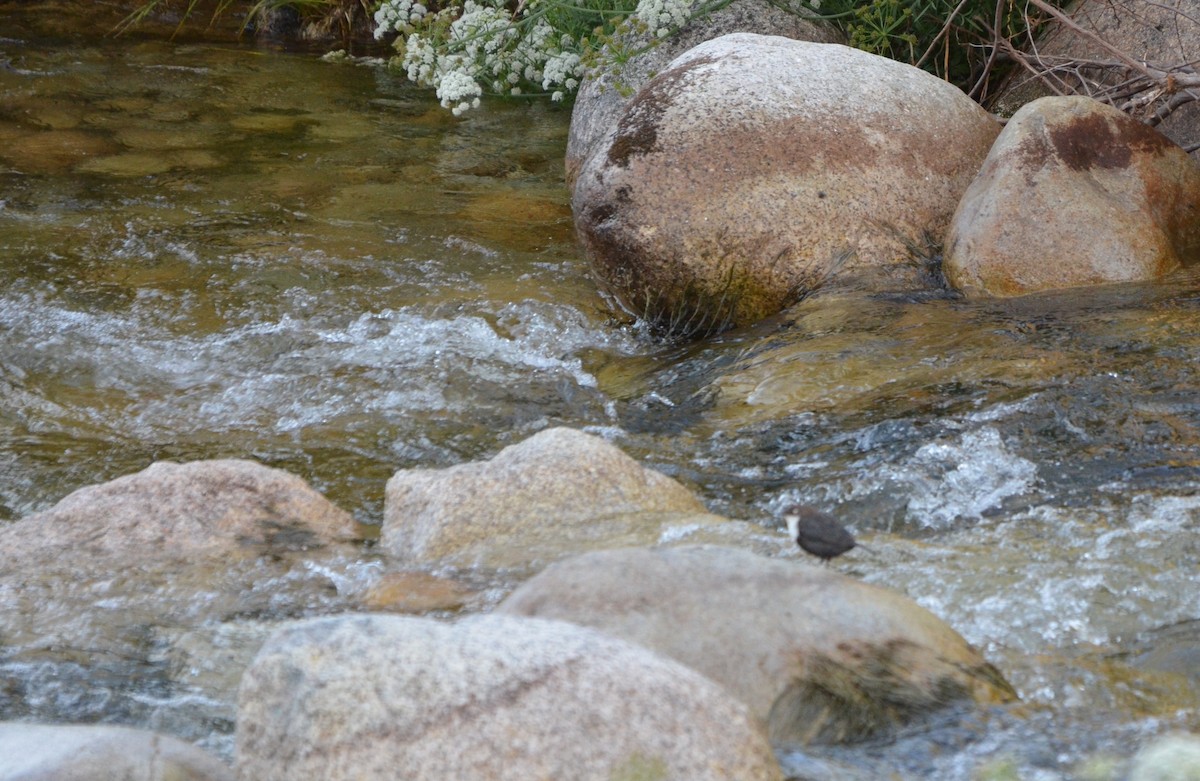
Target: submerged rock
{"x":818,"y":657}
{"x":755,"y":168}
{"x":381,"y":697}
{"x":557,"y":493}
{"x":1074,"y":192}
{"x":44,"y":752}
{"x":54,"y":151}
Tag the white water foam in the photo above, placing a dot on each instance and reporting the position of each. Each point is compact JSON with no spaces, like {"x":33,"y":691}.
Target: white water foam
{"x":949,"y":480}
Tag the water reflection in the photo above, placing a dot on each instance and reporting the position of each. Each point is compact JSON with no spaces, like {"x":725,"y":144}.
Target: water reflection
{"x":215,"y":251}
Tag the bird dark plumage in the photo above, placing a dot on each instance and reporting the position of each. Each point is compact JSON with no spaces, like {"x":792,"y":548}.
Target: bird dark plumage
{"x":816,"y":532}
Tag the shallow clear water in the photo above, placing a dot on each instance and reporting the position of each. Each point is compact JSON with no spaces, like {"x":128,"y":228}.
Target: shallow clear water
{"x":213,"y":250}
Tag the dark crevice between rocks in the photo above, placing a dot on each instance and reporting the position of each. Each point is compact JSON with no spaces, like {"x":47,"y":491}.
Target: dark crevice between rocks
{"x":869,"y":694}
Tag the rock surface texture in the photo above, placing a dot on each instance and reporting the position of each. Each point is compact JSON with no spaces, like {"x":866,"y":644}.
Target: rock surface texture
{"x":1074,"y":193}
{"x":170,"y":510}
{"x":159,"y":564}
{"x":556,"y":493}
{"x":382,"y":697}
{"x":44,"y":752}
{"x":755,"y":167}
{"x":817,"y":656}
{"x":603,"y":95}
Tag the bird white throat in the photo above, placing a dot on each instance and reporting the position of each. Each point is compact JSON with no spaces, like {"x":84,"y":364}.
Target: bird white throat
{"x":793,"y":524}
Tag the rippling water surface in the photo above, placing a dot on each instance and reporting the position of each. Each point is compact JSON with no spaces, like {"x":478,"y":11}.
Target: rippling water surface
{"x":214,"y":250}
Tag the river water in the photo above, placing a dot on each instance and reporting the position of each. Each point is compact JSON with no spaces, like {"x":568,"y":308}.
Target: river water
{"x":212,"y":250}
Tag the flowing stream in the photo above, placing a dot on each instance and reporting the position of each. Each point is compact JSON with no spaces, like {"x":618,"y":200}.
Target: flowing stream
{"x":212,"y":250}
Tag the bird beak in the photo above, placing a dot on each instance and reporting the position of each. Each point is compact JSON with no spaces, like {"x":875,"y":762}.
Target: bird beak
{"x":793,"y":524}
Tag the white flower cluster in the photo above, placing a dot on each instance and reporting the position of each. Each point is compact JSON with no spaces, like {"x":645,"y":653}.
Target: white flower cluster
{"x":420,"y":61}
{"x":398,"y":16}
{"x":458,"y":92}
{"x":663,"y":16}
{"x":562,"y":68}
{"x":475,"y":45}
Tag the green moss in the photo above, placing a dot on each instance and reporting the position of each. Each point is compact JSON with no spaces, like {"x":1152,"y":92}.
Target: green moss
{"x":640,"y":767}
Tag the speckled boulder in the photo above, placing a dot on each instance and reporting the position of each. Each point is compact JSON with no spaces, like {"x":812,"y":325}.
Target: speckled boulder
{"x":115,"y":572}
{"x":817,"y":656}
{"x":604,"y":93}
{"x":170,"y":510}
{"x":557,"y":493}
{"x":374,"y":697}
{"x":44,"y":752}
{"x":1074,"y":193}
{"x":755,"y":168}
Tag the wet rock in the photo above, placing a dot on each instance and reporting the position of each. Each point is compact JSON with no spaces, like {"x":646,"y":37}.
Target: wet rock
{"x":38,"y":752}
{"x":1170,"y":758}
{"x":1173,"y":650}
{"x":755,"y":168}
{"x":159,"y":137}
{"x":603,"y":95}
{"x":883,"y":357}
{"x":817,"y":656}
{"x":267,"y":123}
{"x":182,"y":511}
{"x":54,"y":151}
{"x":525,"y":223}
{"x":416,"y":592}
{"x":557,"y":493}
{"x":53,"y":113}
{"x":96,"y":590}
{"x":370,"y":696}
{"x":278,"y":24}
{"x":137,"y":164}
{"x":1074,"y":193}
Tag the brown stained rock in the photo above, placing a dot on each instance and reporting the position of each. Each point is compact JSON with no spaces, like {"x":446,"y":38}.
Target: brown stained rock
{"x":755,"y":168}
{"x":817,"y":656}
{"x":44,"y":752}
{"x":375,"y":697}
{"x":182,"y":511}
{"x":605,"y":93}
{"x":415,"y":592}
{"x":557,"y":493}
{"x":1074,"y":193}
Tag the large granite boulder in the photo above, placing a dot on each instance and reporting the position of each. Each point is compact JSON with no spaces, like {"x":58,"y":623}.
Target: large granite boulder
{"x":557,"y":493}
{"x":606,"y":90}
{"x":109,"y":592}
{"x":1074,"y":192}
{"x":205,"y":509}
{"x":44,"y":752}
{"x":382,"y":697}
{"x":755,"y":168}
{"x":817,"y":656}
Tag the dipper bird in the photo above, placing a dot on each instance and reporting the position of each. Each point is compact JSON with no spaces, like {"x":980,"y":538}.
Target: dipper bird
{"x":816,"y":532}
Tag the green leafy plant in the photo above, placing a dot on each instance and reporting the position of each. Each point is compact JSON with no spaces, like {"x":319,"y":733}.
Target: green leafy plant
{"x":339,"y":13}
{"x":958,"y":40}
{"x":465,"y":49}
